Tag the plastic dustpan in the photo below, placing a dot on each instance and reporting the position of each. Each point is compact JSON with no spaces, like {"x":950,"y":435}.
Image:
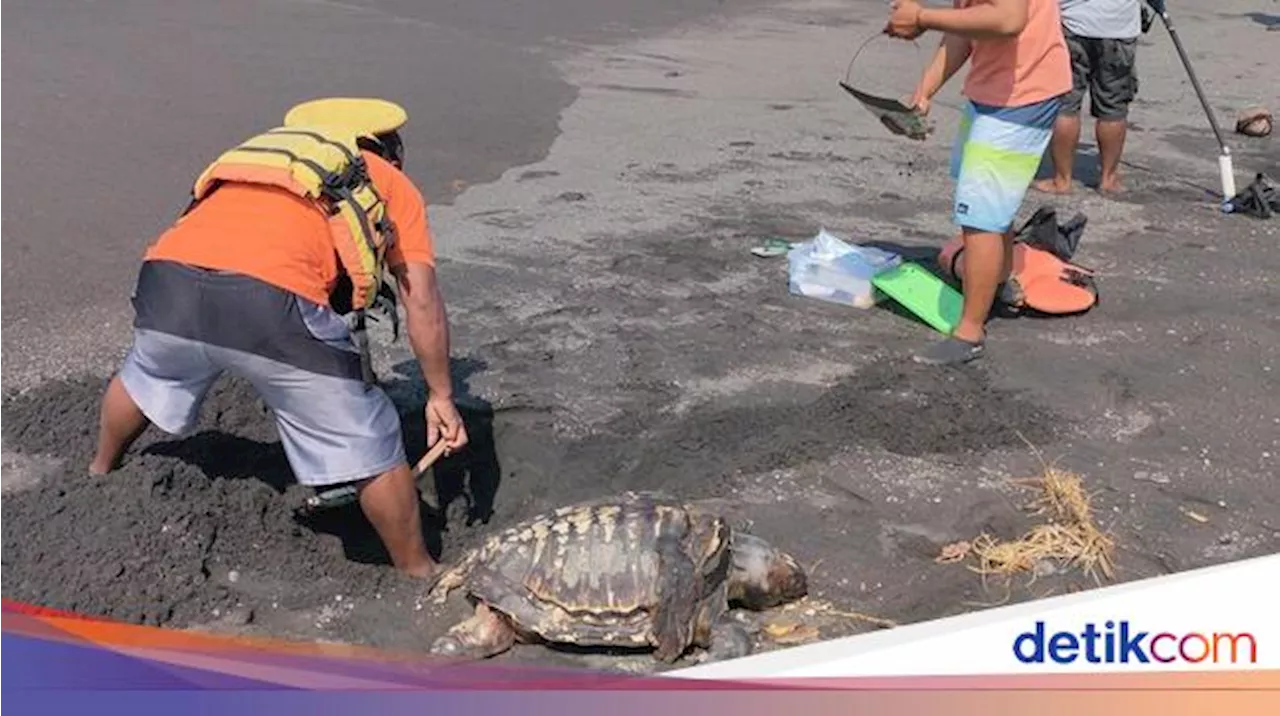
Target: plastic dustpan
{"x":930,"y":298}
{"x":894,"y":114}
{"x":897,"y":117}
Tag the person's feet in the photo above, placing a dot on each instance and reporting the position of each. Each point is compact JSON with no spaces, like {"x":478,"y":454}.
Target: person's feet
{"x":1107,"y":186}
{"x":428,"y":571}
{"x":1110,"y":186}
{"x":952,"y":351}
{"x":101,"y":466}
{"x":1054,"y":185}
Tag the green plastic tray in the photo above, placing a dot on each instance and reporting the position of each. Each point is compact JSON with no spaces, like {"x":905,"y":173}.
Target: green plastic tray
{"x":925,"y":295}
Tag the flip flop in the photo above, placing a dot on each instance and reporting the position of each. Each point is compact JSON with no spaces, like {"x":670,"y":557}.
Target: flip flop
{"x":772,"y":248}
{"x":951,"y":351}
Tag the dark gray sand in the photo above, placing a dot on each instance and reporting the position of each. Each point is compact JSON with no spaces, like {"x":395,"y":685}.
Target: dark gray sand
{"x":194,"y":529}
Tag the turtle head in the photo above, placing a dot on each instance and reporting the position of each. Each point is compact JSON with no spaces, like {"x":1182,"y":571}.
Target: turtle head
{"x":763,"y":576}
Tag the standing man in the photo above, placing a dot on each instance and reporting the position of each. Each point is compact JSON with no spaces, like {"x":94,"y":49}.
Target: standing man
{"x":1102,"y":36}
{"x":1019,"y":69}
{"x":246,"y":282}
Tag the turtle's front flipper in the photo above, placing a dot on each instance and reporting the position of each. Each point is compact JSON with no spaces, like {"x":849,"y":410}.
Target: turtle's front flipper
{"x":678,"y":592}
{"x":729,"y":640}
{"x":484,"y":635}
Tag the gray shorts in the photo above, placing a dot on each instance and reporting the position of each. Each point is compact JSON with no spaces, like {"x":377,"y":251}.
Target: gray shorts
{"x":192,"y":325}
{"x":1106,"y":69}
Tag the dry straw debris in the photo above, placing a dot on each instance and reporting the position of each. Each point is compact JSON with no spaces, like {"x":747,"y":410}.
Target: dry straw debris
{"x":1070,"y":536}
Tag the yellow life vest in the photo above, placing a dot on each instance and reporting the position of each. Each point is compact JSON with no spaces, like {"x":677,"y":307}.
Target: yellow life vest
{"x":323,"y":165}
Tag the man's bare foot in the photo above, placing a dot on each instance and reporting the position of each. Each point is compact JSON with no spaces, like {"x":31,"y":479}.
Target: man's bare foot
{"x":1110,"y":185}
{"x":97,"y":469}
{"x":1052,"y":186}
{"x":429,"y":572}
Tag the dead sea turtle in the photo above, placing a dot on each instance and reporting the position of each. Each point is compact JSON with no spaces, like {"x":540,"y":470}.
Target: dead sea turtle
{"x":639,"y":571}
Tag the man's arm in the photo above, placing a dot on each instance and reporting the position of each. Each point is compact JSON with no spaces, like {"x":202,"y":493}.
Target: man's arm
{"x":952,"y":53}
{"x":412,"y":262}
{"x":428,"y":328}
{"x":985,"y":19}
{"x":427,"y":324}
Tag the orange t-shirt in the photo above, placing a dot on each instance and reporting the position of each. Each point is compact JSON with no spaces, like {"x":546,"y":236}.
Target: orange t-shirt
{"x":280,"y":238}
{"x":1018,"y":71}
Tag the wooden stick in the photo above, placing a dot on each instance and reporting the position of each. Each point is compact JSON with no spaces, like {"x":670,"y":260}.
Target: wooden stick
{"x":427,"y":460}
{"x":432,"y":455}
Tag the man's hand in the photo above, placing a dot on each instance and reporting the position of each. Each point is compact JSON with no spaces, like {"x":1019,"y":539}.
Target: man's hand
{"x":920,"y":101}
{"x":904,"y":20}
{"x":444,"y":423}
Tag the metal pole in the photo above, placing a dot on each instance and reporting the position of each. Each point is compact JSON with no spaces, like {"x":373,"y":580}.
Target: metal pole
{"x":1225,"y":168}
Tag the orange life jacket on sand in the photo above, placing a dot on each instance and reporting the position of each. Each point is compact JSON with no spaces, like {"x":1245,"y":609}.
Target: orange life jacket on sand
{"x":1043,"y":278}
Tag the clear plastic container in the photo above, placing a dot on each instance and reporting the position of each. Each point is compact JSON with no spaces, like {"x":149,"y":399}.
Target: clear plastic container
{"x":831,"y":270}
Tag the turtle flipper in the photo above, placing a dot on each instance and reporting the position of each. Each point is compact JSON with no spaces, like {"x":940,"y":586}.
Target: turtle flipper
{"x":484,"y":635}
{"x":729,"y":640}
{"x":678,"y":590}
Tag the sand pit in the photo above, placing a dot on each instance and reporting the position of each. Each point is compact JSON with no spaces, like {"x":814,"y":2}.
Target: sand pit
{"x":177,"y":537}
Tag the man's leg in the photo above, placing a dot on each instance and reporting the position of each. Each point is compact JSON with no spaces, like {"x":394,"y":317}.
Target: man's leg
{"x":982,"y":267}
{"x":996,"y":156}
{"x":335,"y":428}
{"x":337,"y":431}
{"x":162,"y":382}
{"x":1111,"y":134}
{"x":390,"y":501}
{"x":1066,"y":129}
{"x":1062,"y":151}
{"x":120,"y":423}
{"x":164,"y":377}
{"x":1114,"y":89}
{"x":986,"y":265}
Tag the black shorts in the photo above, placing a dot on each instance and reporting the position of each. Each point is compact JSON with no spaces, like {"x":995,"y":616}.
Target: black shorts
{"x":1106,"y":69}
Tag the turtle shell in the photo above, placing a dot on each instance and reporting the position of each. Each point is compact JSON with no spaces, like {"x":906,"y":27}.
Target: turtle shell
{"x":592,"y":572}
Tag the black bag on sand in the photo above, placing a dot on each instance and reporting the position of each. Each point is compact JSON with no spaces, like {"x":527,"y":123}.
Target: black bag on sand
{"x":1259,"y":200}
